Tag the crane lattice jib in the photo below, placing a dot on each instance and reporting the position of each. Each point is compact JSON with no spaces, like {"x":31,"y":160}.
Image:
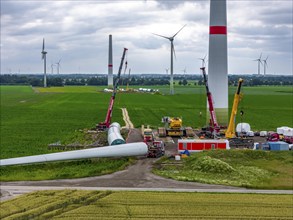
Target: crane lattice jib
{"x":210,"y":101}
{"x":230,"y":133}
{"x":111,"y":104}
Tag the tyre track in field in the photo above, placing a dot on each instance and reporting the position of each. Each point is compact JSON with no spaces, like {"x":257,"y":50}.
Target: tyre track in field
{"x":128,"y":123}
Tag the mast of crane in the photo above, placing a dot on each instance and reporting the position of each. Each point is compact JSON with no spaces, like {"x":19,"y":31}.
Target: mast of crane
{"x":213,"y":120}
{"x":105,"y":125}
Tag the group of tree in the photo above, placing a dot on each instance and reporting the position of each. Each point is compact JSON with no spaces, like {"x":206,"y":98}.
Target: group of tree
{"x":142,"y":80}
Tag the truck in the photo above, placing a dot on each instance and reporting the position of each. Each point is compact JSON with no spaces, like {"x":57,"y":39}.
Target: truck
{"x":173,"y":127}
{"x":156,"y":148}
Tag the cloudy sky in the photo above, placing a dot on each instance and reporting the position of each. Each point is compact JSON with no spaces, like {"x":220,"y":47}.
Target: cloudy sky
{"x":77,"y":33}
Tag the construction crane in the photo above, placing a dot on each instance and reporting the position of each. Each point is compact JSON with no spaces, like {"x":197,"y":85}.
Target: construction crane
{"x":214,"y":126}
{"x":230,"y":132}
{"x":128,"y":80}
{"x":102,"y":126}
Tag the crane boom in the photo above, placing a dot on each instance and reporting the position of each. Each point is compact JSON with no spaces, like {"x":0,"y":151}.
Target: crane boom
{"x":230,"y":133}
{"x":214,"y":124}
{"x":128,"y":80}
{"x":105,"y":125}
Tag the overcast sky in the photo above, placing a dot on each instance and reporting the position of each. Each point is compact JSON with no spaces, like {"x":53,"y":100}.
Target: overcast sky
{"x":77,"y":33}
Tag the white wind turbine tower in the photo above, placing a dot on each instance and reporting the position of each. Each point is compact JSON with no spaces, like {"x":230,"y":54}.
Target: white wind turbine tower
{"x":167,"y":70}
{"x":52,"y":68}
{"x":58,"y":66}
{"x":44,"y":58}
{"x":171,"y":39}
{"x":184,"y":71}
{"x":265,"y":65}
{"x":259,"y":62}
{"x":203,"y":61}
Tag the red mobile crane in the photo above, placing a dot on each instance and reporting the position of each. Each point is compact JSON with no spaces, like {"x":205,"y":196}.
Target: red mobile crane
{"x":214,"y":127}
{"x":105,"y":125}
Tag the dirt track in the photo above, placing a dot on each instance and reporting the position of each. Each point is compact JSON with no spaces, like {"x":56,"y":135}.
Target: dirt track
{"x":128,"y":123}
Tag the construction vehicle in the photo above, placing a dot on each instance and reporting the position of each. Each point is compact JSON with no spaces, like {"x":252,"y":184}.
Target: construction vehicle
{"x":173,"y":127}
{"x":214,"y":126}
{"x":156,"y":148}
{"x":147,"y":134}
{"x":128,"y":79}
{"x":274,"y":137}
{"x":230,"y":132}
{"x":237,"y":142}
{"x":102,"y":126}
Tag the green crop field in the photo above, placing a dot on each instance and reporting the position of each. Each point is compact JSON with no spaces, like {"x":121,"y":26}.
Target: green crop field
{"x":72,"y":204}
{"x":243,"y":168}
{"x":32,"y":118}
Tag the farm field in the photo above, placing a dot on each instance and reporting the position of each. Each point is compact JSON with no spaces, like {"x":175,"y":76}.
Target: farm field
{"x":241,"y":168}
{"x":32,"y":118}
{"x":72,"y":204}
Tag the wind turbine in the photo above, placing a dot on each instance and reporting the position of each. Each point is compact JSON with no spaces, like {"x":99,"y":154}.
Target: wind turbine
{"x":184,"y":71}
{"x":58,"y":66}
{"x":44,"y":58}
{"x":259,"y":62}
{"x":52,"y":68}
{"x":203,"y":63}
{"x":167,"y":70}
{"x":265,"y":65}
{"x":171,"y":39}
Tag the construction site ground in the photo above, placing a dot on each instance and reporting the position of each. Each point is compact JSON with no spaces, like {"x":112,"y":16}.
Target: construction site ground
{"x":137,"y":175}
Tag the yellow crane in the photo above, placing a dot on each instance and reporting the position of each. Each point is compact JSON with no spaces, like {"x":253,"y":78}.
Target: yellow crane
{"x":230,"y":132}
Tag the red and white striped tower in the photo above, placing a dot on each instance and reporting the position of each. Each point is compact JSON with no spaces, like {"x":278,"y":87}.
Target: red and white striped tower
{"x":218,"y":60}
{"x":110,"y":64}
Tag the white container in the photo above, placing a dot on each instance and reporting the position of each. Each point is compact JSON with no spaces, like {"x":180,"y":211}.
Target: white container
{"x":243,"y":127}
{"x":280,"y":130}
{"x":288,"y":132}
{"x":263,"y":134}
{"x":177,"y":157}
{"x":250,"y":134}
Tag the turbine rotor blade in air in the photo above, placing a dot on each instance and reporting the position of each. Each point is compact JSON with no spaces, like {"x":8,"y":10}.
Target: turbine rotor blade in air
{"x":179,"y":30}
{"x":162,"y":36}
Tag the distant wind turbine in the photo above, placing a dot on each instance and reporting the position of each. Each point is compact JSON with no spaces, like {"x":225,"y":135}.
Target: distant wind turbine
{"x":259,"y":62}
{"x":58,"y":66}
{"x":167,"y":70}
{"x":203,"y":63}
{"x":265,"y":64}
{"x":44,"y":58}
{"x":171,"y":39}
{"x":52,"y":68}
{"x":184,"y":71}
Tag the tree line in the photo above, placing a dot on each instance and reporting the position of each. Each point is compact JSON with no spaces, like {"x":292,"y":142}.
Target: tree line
{"x":70,"y":79}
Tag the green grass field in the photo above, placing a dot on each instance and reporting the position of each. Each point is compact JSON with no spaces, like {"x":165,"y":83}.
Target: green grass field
{"x":33,"y":118}
{"x":72,"y":204}
{"x":243,"y":168}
